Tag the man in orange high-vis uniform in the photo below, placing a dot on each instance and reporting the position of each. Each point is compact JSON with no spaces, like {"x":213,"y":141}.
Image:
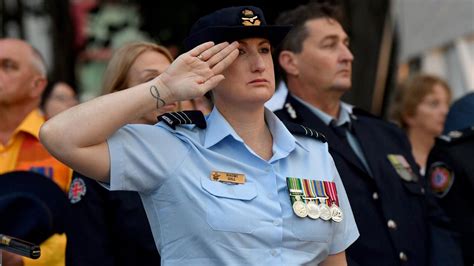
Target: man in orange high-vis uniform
{"x":22,"y":81}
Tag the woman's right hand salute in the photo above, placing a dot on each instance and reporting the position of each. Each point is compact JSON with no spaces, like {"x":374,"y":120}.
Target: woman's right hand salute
{"x":196,"y":72}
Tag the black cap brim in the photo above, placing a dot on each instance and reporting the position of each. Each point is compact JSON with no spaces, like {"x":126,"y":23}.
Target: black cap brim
{"x":275,"y":34}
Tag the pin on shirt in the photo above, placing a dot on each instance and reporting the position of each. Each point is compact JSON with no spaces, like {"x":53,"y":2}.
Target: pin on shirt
{"x":230,"y":178}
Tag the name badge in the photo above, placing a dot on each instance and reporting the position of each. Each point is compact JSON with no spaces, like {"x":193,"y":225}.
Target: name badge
{"x":232,"y":178}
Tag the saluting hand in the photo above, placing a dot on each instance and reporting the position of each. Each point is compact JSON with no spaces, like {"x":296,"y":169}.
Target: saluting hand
{"x":196,"y":72}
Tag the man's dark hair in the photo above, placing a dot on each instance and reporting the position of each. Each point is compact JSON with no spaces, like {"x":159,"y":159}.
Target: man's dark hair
{"x":297,"y":17}
{"x":300,"y":15}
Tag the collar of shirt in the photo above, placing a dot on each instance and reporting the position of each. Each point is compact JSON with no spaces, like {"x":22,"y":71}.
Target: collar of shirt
{"x":283,"y":141}
{"x":344,"y":113}
{"x":31,"y":124}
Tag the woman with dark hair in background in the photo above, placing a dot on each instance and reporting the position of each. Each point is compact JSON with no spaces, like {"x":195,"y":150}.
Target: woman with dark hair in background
{"x":57,"y":97}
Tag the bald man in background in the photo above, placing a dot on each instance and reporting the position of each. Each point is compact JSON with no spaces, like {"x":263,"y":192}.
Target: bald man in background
{"x":22,"y":81}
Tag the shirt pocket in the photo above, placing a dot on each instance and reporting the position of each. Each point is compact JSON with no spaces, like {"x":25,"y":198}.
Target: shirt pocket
{"x":307,"y":229}
{"x":229,"y":206}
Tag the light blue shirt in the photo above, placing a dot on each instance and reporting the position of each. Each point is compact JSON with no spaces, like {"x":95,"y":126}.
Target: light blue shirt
{"x":197,"y":221}
{"x":345,"y":113}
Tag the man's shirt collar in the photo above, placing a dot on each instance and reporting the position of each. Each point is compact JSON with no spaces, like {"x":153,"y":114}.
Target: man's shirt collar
{"x":345,"y":111}
{"x":31,"y":124}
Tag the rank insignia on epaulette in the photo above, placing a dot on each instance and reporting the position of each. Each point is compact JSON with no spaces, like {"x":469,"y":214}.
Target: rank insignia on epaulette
{"x":455,"y":134}
{"x":298,"y":129}
{"x":290,"y":110}
{"x":182,"y":118}
{"x":441,"y":178}
{"x":77,"y":190}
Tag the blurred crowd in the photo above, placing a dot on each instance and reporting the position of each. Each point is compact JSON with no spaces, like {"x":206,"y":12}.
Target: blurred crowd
{"x":409,"y":178}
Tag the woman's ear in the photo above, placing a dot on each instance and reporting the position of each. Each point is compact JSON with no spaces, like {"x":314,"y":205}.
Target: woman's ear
{"x":288,"y":62}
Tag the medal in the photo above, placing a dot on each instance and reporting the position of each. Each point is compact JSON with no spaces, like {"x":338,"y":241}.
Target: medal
{"x":322,"y":196}
{"x":325,"y":211}
{"x":311,"y":194}
{"x":296,"y":191}
{"x":313,"y":210}
{"x":300,"y":209}
{"x":336,"y":213}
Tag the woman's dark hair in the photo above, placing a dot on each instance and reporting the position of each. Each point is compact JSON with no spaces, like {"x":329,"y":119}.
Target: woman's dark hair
{"x":48,"y":90}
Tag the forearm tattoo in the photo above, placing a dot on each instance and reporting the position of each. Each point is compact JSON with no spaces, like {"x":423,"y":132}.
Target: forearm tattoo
{"x":156,"y":94}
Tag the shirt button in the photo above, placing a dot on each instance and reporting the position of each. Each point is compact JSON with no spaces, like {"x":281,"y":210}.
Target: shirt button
{"x":375,"y":196}
{"x":276,"y":222}
{"x":391,"y":224}
{"x":403,"y":256}
{"x":273,"y":252}
{"x":422,"y":191}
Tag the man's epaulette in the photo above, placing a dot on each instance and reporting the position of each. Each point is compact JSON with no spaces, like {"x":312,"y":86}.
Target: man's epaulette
{"x":182,"y":118}
{"x":457,"y":135}
{"x":301,"y":130}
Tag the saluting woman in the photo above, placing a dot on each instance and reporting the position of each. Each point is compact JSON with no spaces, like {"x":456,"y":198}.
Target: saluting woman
{"x":233,"y":188}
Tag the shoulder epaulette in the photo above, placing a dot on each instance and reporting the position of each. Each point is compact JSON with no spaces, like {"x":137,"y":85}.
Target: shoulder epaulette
{"x":183,"y":118}
{"x":301,"y":130}
{"x":458,"y":135}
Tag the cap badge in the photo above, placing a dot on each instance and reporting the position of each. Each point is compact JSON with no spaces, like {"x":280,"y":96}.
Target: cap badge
{"x":249,"y":18}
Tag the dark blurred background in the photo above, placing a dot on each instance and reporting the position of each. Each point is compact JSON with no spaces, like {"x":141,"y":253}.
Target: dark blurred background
{"x":78,"y":36}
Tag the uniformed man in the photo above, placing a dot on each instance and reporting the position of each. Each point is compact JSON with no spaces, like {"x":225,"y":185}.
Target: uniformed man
{"x":372,"y":156}
{"x":450,"y":172}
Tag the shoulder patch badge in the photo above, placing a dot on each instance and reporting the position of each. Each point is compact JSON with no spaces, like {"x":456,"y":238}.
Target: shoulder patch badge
{"x":77,"y":190}
{"x":441,"y":178}
{"x":182,"y":118}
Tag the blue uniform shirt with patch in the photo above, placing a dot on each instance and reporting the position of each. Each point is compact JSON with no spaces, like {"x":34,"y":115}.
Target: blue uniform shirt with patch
{"x":197,"y":221}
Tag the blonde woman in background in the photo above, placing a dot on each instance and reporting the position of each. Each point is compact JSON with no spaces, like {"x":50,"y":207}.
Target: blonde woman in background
{"x":420,"y":107}
{"x":116,"y":220}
